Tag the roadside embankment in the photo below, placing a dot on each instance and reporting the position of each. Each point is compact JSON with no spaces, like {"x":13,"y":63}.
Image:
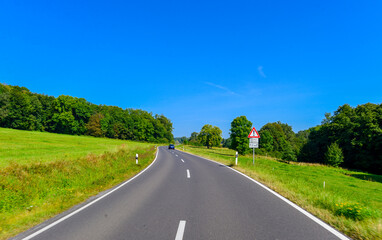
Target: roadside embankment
{"x":33,"y":191}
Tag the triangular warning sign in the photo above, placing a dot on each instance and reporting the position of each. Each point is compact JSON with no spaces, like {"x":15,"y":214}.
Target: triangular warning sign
{"x":253,"y":133}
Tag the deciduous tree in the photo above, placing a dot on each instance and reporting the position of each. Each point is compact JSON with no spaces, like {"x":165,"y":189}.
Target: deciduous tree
{"x":240,"y":128}
{"x":210,"y":136}
{"x":334,"y":156}
{"x":94,"y":125}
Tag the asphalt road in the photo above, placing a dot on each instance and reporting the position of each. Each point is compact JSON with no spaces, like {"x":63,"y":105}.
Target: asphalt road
{"x":181,"y":196}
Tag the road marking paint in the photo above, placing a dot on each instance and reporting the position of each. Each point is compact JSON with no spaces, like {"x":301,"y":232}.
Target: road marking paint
{"x":180,"y":232}
{"x":182,"y":160}
{"x":176,"y":155}
{"x":188,"y":173}
{"x":306,"y":213}
{"x":89,"y":204}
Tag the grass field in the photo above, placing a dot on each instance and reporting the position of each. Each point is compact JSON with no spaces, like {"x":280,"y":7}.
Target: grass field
{"x":350,"y":201}
{"x":29,"y":147}
{"x":43,"y":174}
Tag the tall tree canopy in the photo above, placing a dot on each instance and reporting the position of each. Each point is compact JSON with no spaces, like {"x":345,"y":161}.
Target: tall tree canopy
{"x":279,"y":140}
{"x":240,"y":128}
{"x":210,"y":136}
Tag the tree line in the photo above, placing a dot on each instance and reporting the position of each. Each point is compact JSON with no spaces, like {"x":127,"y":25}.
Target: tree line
{"x":22,"y":109}
{"x":357,"y":131}
{"x":351,"y":138}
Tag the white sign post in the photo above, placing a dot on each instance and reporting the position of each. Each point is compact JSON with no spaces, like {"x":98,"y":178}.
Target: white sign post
{"x":253,"y":142}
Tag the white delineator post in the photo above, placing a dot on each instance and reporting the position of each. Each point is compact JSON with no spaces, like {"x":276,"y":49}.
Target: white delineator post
{"x":237,"y":155}
{"x":136,"y":158}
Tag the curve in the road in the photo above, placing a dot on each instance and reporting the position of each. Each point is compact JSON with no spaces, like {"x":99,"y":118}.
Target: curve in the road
{"x":179,"y":189}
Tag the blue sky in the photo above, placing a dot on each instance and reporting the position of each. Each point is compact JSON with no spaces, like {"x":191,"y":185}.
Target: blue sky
{"x":199,"y":62}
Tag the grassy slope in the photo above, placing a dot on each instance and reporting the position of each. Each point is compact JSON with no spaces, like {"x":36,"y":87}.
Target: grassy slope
{"x":303,"y":184}
{"x":27,"y":147}
{"x":43,"y":174}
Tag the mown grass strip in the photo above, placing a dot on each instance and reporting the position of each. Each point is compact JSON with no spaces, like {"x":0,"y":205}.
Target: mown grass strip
{"x":350,"y":201}
{"x":32,"y":193}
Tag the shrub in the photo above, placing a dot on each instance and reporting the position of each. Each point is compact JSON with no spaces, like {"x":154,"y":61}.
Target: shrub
{"x":352,"y":210}
{"x":334,"y":156}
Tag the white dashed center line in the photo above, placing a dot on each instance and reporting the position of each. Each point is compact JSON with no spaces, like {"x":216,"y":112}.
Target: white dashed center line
{"x":180,"y":232}
{"x":182,"y":160}
{"x":188,"y":173}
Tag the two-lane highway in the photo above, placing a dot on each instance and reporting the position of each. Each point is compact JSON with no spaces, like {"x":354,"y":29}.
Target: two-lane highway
{"x":181,"y":196}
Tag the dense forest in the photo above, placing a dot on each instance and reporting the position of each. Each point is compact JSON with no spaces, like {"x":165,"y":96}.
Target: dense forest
{"x":21,"y":109}
{"x":357,"y":131}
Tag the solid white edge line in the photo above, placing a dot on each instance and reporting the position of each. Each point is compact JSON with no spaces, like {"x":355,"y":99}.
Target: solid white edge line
{"x":306,"y":213}
{"x":188,"y":173}
{"x":89,"y":204}
{"x":180,"y":232}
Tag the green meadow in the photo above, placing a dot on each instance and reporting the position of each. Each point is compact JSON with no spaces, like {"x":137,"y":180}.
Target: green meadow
{"x":44,"y":174}
{"x":23,"y":147}
{"x":350,"y":201}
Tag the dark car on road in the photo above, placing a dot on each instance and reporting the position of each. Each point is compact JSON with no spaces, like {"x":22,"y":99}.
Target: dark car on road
{"x":171,"y":146}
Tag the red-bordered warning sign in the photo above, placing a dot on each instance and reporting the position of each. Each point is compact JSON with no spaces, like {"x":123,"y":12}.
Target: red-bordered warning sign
{"x":253,"y":133}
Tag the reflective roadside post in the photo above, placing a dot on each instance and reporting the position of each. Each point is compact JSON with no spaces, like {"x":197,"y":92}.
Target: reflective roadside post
{"x":237,"y":155}
{"x":136,"y":158}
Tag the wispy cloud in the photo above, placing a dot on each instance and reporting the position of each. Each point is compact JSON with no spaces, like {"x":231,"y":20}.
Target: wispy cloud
{"x":260,"y":69}
{"x":227,"y":90}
